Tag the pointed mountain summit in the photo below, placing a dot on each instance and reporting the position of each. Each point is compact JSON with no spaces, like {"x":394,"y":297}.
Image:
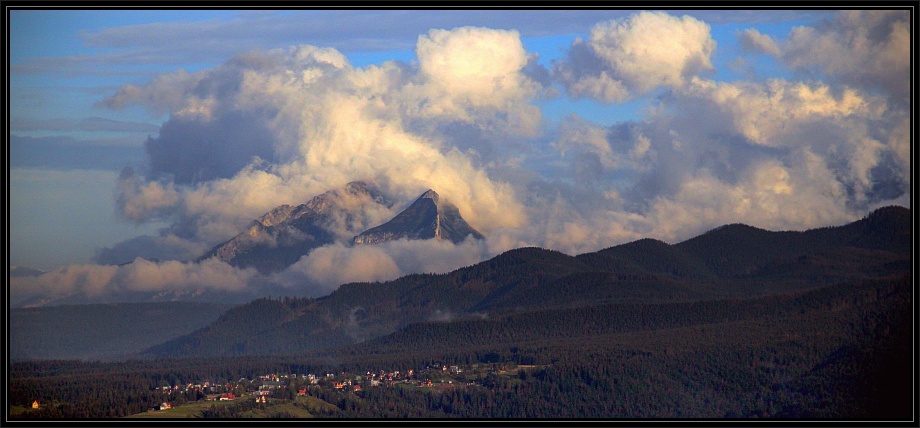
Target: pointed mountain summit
{"x":429,"y":217}
{"x":281,"y":236}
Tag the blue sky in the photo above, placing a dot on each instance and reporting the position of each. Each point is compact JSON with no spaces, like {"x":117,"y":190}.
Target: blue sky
{"x":88,"y":88}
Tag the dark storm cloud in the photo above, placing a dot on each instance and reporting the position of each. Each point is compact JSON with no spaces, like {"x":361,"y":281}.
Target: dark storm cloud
{"x":192,"y":150}
{"x":148,"y":247}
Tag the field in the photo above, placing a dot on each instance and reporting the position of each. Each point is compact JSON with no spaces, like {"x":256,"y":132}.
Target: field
{"x":299,"y":408}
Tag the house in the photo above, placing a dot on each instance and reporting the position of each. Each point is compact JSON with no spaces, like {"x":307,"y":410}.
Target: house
{"x":260,"y":399}
{"x":35,"y":404}
{"x":270,"y":385}
{"x":338,"y":385}
{"x":228,"y":396}
{"x":302,"y":391}
{"x":356,"y":388}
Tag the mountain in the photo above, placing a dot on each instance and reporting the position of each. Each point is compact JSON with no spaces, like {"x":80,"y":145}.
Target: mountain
{"x":281,"y":236}
{"x":429,"y":217}
{"x":731,"y":263}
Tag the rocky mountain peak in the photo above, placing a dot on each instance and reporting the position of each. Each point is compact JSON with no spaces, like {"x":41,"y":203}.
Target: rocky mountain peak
{"x":429,"y":217}
{"x":281,"y":236}
{"x":430,"y":194}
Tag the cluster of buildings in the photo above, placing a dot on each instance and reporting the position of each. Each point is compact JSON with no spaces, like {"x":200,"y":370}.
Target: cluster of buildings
{"x":265,"y":385}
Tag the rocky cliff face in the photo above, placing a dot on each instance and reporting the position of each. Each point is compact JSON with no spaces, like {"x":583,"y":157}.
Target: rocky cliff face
{"x":429,"y":217}
{"x":281,"y":236}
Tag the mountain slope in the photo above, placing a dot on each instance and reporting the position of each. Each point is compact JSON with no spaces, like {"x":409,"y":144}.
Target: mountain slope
{"x":280,"y":237}
{"x":429,"y":217}
{"x":740,"y":251}
{"x":735,"y":262}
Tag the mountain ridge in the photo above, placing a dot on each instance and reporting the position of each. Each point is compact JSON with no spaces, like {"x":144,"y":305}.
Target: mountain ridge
{"x":278,"y":238}
{"x":527,"y":279}
{"x":281,"y":236}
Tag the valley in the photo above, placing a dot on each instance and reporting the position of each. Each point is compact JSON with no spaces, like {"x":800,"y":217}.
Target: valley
{"x":736,"y":323}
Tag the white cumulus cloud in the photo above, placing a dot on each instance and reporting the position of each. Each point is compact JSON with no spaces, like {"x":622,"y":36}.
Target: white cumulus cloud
{"x":276,"y":127}
{"x":628,"y":57}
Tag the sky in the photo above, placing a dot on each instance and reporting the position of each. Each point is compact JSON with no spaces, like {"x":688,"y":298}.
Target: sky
{"x":157,"y":134}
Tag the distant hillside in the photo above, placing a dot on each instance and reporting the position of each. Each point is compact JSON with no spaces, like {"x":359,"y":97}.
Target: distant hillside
{"x":609,"y":320}
{"x":102,"y":331}
{"x":732,"y":262}
{"x":740,"y":251}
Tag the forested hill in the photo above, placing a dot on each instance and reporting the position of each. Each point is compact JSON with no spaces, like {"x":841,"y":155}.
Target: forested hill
{"x":730,"y":262}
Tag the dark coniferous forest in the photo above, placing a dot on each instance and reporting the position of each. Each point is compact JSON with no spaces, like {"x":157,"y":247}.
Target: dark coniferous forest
{"x":737,"y":323}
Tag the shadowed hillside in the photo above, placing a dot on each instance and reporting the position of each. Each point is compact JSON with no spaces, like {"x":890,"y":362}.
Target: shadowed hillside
{"x":730,"y":262}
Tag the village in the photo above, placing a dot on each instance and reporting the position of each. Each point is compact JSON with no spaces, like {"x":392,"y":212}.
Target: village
{"x":288,"y":386}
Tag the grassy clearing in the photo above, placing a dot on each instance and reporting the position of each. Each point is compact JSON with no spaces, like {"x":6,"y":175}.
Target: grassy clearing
{"x":187,"y":411}
{"x":19,"y":410}
{"x":299,"y":408}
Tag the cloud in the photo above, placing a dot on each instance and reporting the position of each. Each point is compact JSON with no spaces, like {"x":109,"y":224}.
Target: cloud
{"x":191,"y":151}
{"x":316,"y":274}
{"x":771,"y":195}
{"x":139,"y":201}
{"x":185,"y":41}
{"x":779,"y":112}
{"x":333,"y":265}
{"x":868,"y":49}
{"x":471,"y":91}
{"x":629,"y":57}
{"x":276,"y":127}
{"x":144,"y":275}
{"x":137,"y":278}
{"x":755,"y":42}
{"x":163,"y":248}
{"x":777,"y":154}
{"x":163,"y":94}
{"x":850,"y":130}
{"x":477,"y":67}
{"x":179,"y":42}
{"x":282,"y":126}
{"x":330,"y":266}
